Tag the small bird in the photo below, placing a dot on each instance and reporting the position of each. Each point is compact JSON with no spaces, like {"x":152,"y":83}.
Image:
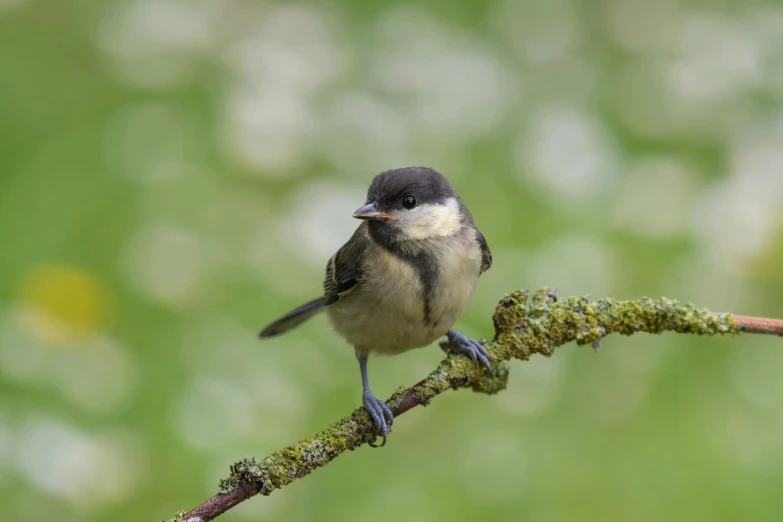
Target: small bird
{"x":405,"y":276}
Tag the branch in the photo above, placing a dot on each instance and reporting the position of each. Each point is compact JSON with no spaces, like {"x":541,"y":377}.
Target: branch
{"x":524,"y":324}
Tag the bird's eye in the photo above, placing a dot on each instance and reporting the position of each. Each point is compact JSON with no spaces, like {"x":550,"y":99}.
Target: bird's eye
{"x":409,"y":202}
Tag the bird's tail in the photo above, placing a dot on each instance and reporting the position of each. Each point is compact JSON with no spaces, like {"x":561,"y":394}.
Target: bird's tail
{"x":293,"y":318}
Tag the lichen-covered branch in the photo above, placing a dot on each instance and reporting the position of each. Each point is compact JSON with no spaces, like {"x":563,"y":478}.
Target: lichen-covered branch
{"x":524,"y":324}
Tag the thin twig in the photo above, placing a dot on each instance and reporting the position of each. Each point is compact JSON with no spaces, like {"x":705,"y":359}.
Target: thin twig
{"x":759,"y":325}
{"x":524,"y":324}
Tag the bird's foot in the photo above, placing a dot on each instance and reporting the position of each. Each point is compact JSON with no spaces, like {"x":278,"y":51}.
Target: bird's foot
{"x":381,"y":415}
{"x":463,"y":344}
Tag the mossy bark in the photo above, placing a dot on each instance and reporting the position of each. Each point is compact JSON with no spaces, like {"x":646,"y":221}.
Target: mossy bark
{"x":525,"y":323}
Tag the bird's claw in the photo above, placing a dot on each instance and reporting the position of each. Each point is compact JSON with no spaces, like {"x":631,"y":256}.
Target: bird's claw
{"x":380,"y":414}
{"x":467,"y":346}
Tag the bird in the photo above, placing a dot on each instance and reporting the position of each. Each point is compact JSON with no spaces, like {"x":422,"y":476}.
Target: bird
{"x":404,"y":277}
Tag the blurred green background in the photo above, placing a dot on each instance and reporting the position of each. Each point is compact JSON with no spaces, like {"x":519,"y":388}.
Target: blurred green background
{"x":174,"y":174}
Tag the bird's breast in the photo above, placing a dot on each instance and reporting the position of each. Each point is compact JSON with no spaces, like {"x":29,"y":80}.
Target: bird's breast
{"x":403,"y":304}
{"x":458,"y":265}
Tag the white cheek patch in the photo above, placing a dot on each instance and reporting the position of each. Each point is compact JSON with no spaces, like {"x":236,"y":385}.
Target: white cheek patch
{"x":428,"y":221}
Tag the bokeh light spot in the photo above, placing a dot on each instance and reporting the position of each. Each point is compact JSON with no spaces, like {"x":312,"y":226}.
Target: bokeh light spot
{"x":63,"y":302}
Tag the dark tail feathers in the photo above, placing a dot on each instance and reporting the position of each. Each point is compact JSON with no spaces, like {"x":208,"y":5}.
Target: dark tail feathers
{"x":293,"y":318}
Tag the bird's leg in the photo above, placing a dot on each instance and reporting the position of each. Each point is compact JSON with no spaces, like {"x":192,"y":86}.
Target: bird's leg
{"x":380,"y":413}
{"x":463,"y":344}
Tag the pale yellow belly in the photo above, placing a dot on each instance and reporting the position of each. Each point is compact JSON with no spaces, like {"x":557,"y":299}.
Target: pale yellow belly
{"x":387,"y":328}
{"x":385,"y":313}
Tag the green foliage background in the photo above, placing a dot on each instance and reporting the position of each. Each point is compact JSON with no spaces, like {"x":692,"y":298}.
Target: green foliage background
{"x":174,"y":174}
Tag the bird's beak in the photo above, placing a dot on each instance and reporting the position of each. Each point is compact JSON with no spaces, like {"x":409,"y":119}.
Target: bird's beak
{"x":370,"y":212}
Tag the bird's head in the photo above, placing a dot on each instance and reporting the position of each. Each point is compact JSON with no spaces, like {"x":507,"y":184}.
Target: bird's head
{"x":413,"y":203}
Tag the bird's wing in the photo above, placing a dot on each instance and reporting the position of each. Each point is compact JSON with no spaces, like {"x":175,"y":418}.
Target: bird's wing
{"x":344,"y":270}
{"x":486,"y":255}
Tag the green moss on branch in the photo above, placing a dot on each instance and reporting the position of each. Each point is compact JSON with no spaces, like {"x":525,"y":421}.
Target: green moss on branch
{"x":296,"y":461}
{"x":525,"y":324}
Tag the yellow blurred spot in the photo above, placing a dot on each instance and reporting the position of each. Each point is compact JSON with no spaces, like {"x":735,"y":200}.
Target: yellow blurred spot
{"x":62,"y":302}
